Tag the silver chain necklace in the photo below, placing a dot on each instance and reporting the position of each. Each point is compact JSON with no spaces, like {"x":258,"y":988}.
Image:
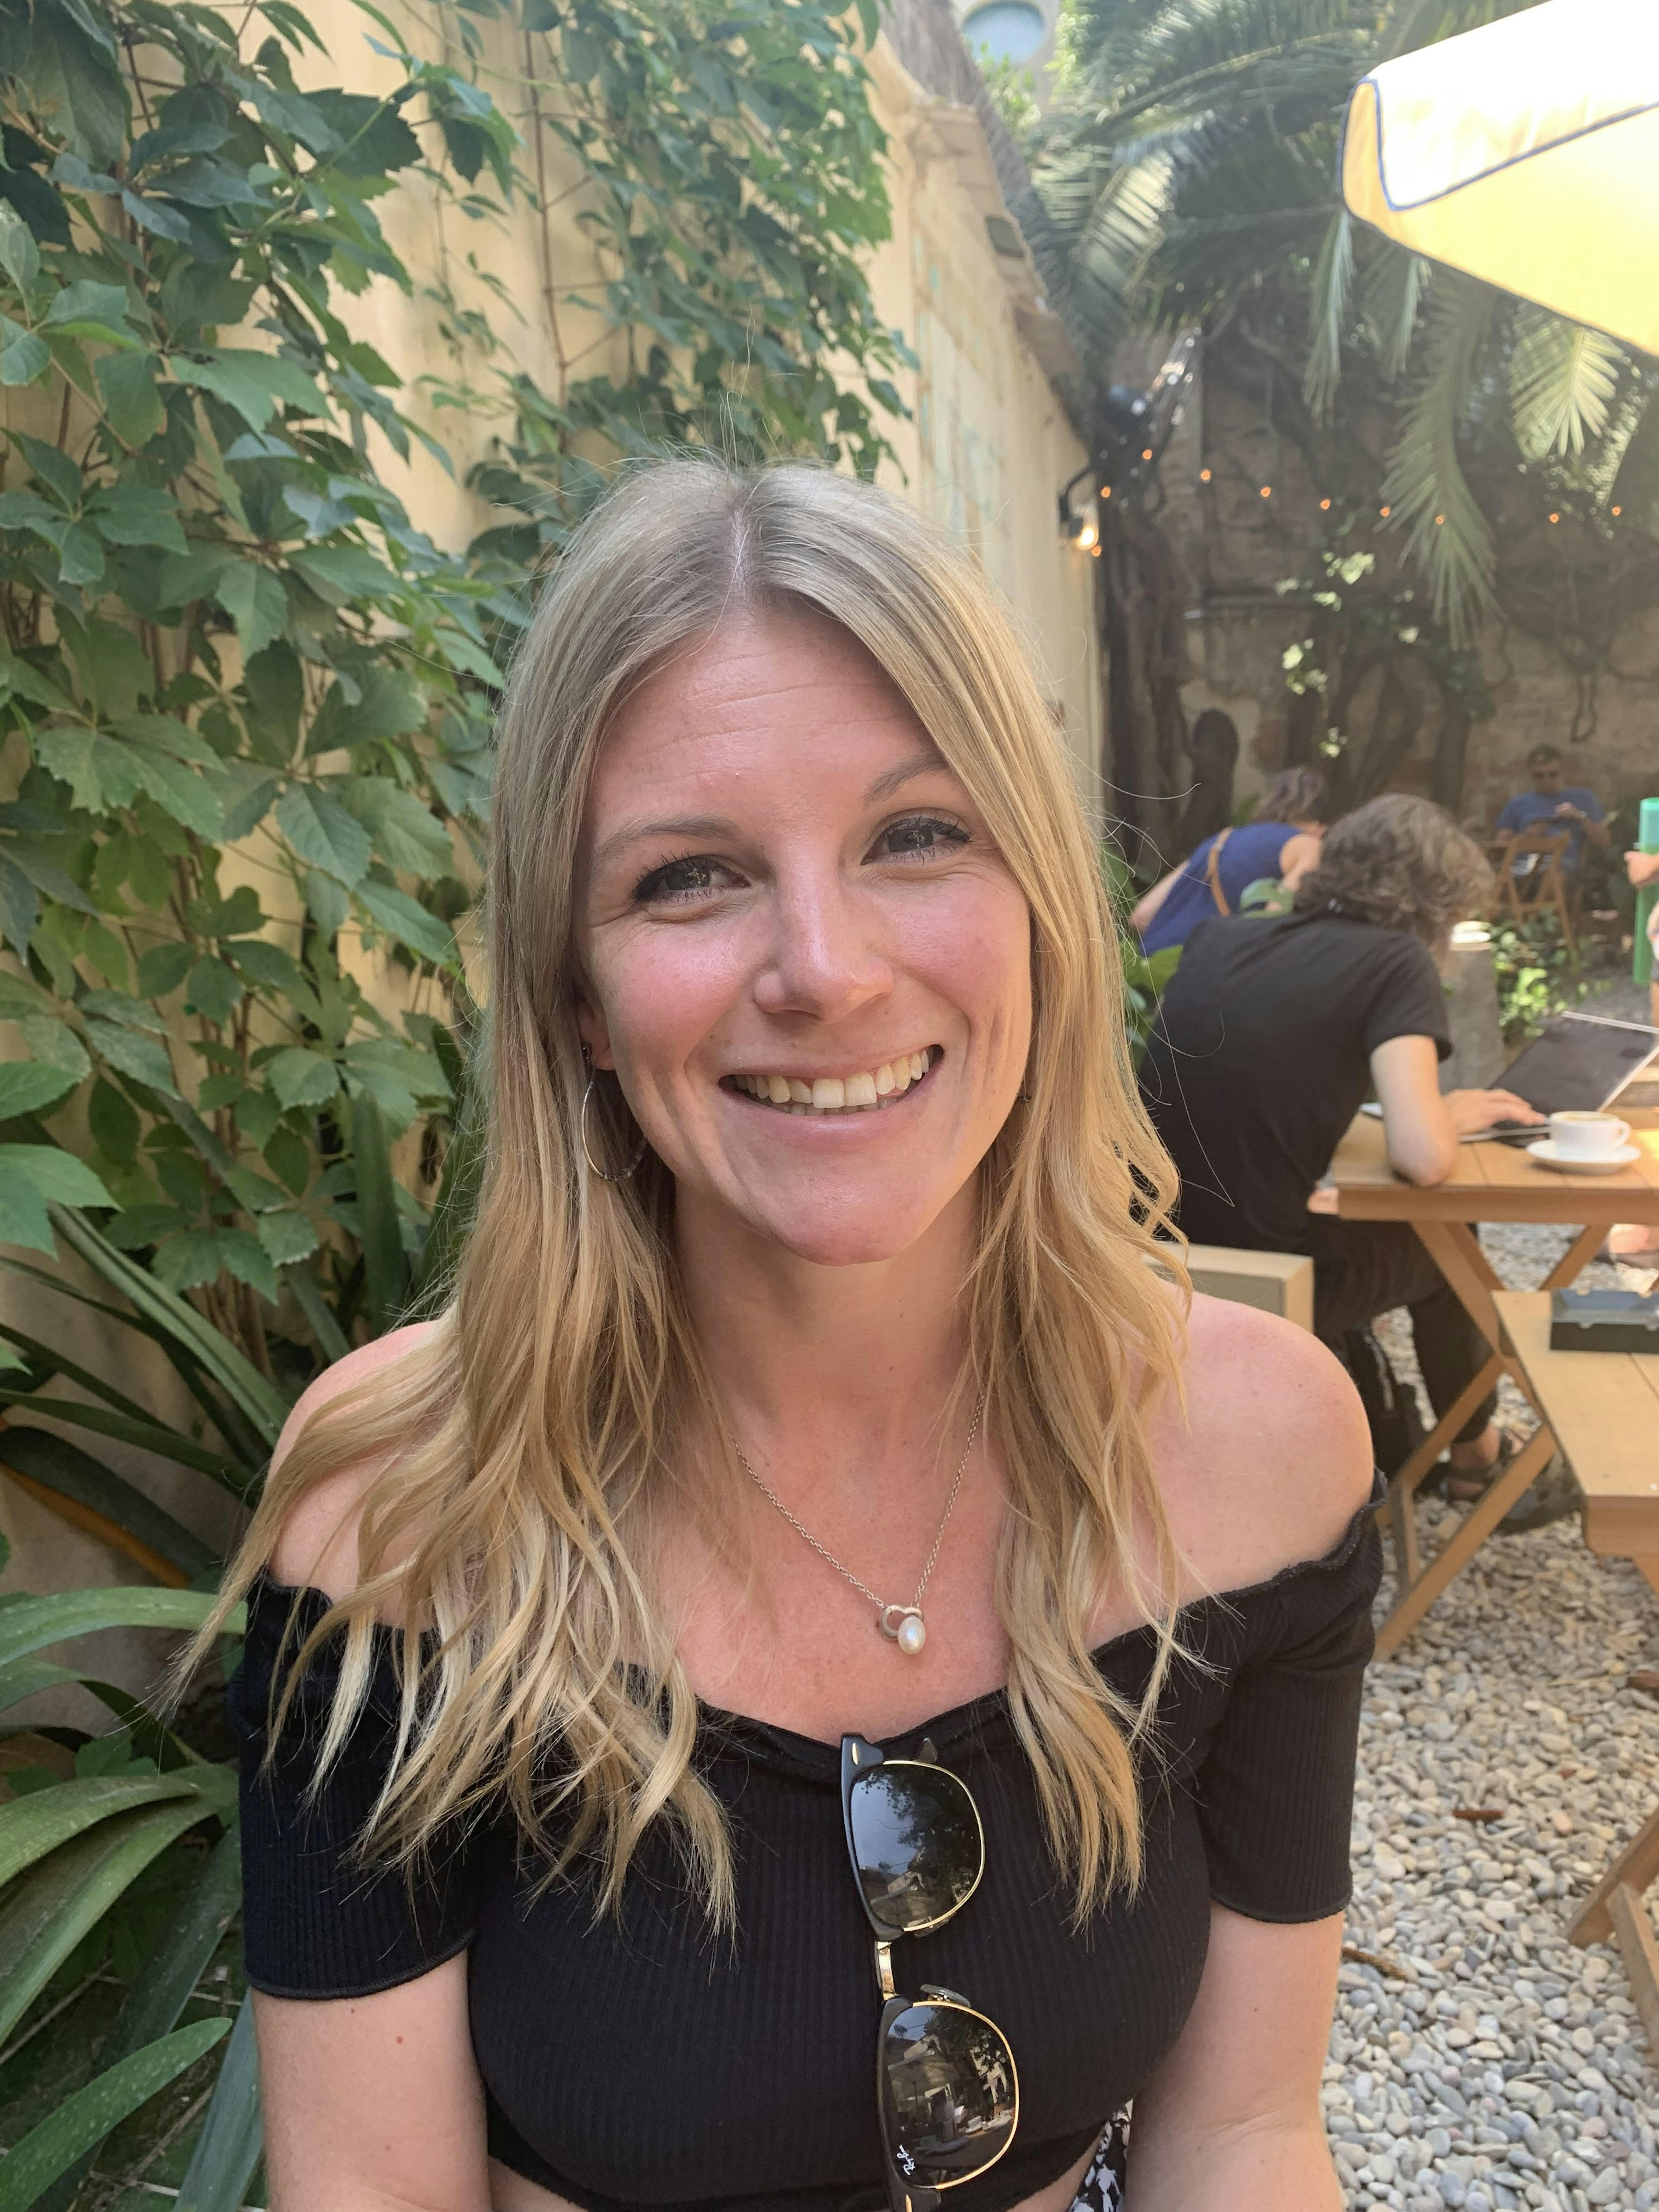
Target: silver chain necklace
{"x":900,"y":1624}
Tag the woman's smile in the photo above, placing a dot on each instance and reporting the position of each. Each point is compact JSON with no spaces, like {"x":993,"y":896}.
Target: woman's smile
{"x":832,"y":1097}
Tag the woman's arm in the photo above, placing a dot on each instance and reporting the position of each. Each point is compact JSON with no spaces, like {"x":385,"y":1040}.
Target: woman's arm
{"x":1141,"y":914}
{"x":1299,"y":857}
{"x":373,"y":2103}
{"x":1423,"y":1126}
{"x":1230,"y":2122}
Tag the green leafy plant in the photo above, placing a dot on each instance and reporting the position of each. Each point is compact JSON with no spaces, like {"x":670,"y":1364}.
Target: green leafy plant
{"x":1539,"y":975}
{"x":244,"y":707}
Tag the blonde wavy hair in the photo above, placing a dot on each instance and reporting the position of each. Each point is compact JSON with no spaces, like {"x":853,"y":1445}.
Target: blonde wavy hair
{"x":520,"y":1445}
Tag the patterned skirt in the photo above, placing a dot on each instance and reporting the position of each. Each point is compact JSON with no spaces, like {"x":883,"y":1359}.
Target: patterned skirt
{"x":1103,"y":2189}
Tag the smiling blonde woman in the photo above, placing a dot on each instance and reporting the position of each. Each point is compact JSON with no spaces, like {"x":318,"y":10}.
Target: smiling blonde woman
{"x":738,"y":1712}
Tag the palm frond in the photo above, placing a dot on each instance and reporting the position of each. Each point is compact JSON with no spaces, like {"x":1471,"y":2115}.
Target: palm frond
{"x":1636,"y":487}
{"x":1396,"y":288}
{"x":1449,"y":536}
{"x":1563,"y":382}
{"x":1327,"y":315}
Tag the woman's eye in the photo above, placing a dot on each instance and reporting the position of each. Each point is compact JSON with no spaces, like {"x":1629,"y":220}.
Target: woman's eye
{"x":920,"y":837}
{"x":692,"y":877}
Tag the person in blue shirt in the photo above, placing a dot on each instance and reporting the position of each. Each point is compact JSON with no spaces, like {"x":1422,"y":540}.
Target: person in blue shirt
{"x":1282,"y":840}
{"x":1554,"y":803}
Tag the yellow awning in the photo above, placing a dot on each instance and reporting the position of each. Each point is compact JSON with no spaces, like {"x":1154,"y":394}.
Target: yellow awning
{"x":1528,"y":154}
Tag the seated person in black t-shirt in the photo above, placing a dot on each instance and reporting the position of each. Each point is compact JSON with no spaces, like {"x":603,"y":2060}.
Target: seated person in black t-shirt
{"x":1270,"y":1034}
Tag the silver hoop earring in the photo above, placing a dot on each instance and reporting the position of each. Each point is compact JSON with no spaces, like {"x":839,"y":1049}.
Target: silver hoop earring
{"x":605,"y":1174}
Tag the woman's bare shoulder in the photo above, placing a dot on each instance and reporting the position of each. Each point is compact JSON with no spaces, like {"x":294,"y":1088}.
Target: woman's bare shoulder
{"x":317,"y":1543}
{"x":1273,"y":1457}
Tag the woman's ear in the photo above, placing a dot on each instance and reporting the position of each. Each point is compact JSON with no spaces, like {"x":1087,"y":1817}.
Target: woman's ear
{"x":595,"y":1034}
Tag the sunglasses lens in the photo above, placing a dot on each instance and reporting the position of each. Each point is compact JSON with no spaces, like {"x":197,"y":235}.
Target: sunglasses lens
{"x":948,"y":2094}
{"x":917,"y":1841}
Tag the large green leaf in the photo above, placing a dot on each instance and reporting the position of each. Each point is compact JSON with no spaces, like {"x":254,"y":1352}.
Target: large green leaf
{"x":147,"y":1435}
{"x":82,"y":2120}
{"x":60,"y":1466}
{"x":156,"y":1998}
{"x":260,"y":1401}
{"x":32,"y":1827}
{"x":228,"y":2149}
{"x":32,"y":1623}
{"x":45,"y":1914}
{"x":385,"y":1268}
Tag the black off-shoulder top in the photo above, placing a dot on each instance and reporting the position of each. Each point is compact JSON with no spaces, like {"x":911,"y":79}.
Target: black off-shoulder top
{"x":639,"y":2062}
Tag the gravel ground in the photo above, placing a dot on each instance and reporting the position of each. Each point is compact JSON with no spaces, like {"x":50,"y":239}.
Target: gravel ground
{"x":1478,"y":2060}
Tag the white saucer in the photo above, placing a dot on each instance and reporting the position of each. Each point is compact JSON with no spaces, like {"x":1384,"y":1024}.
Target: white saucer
{"x":1545,"y":1153}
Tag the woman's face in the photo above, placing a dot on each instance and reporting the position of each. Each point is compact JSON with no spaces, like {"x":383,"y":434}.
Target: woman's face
{"x":806,"y":960}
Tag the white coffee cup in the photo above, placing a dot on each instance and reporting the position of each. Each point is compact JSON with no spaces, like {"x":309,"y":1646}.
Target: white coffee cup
{"x":1587,"y":1136}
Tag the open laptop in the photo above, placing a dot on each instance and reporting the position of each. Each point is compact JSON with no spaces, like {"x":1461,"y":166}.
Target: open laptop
{"x":1578,"y":1064}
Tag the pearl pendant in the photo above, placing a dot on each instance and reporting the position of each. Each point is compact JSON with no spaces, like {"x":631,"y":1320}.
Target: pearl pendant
{"x":903,"y":1625}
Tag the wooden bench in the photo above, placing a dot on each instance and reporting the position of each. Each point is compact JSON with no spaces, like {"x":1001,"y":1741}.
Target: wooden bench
{"x":1275,"y":1282}
{"x":1602,"y":1408}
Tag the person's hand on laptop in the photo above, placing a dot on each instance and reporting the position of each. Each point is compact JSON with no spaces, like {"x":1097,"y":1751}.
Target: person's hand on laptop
{"x":1473,"y":1111}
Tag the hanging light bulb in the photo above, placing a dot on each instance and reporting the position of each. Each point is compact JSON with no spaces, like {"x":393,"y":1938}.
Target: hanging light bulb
{"x":1438,"y":519}
{"x":1266,"y":491}
{"x":1204,"y":476}
{"x":1095,"y":550}
{"x":1088,"y":538}
{"x":1618,"y":510}
{"x":1385,"y":512}
{"x":1324,"y":507}
{"x":1555,"y":518}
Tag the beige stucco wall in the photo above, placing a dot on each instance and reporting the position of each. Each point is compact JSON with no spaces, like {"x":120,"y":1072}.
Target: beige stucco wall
{"x":985,"y":450}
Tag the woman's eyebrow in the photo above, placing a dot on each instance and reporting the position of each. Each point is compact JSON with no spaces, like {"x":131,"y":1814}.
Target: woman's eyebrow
{"x":677,"y":825}
{"x":918,"y":764}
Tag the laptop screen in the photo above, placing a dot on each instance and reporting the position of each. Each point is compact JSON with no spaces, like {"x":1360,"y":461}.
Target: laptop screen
{"x":1579,"y":1062}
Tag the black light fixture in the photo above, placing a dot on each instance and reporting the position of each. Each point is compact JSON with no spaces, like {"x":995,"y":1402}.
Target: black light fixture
{"x":1135,"y":427}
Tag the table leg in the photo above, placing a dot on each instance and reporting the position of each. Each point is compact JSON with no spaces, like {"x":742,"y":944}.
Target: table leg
{"x":1636,"y":1868}
{"x":1577,"y":1257}
{"x":1404,"y":1485}
{"x":1633,"y":1926}
{"x":1472,"y":1531}
{"x":1617,"y":1910}
{"x":1650,"y":1566}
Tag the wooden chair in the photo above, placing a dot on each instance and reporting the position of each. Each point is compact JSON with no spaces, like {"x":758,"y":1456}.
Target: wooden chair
{"x":1543,"y":887}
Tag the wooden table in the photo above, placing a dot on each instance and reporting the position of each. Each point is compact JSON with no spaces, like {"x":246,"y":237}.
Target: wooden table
{"x":1603,"y":1410}
{"x":1490,"y":1182}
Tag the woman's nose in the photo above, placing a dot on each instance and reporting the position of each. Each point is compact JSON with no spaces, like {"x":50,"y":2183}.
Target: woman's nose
{"x":825,"y":959}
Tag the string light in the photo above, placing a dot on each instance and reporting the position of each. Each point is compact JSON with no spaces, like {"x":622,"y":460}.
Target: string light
{"x":1555,"y":518}
{"x":1438,"y":519}
{"x":1146,"y":454}
{"x":1095,"y":550}
{"x":1105,"y":491}
{"x":1385,"y":512}
{"x":1618,"y":510}
{"x":1204,"y":476}
{"x":1088,"y":538}
{"x":1266,"y":491}
{"x":1324,"y":507}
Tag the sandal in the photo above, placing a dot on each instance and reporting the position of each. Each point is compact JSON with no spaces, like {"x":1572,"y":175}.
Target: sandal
{"x":1468,"y":1485}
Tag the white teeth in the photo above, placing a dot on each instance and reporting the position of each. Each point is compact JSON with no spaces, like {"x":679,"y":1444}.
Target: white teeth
{"x":836,"y":1094}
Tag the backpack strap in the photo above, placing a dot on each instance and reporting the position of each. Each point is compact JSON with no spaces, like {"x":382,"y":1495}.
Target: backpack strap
{"x":1212,"y":873}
